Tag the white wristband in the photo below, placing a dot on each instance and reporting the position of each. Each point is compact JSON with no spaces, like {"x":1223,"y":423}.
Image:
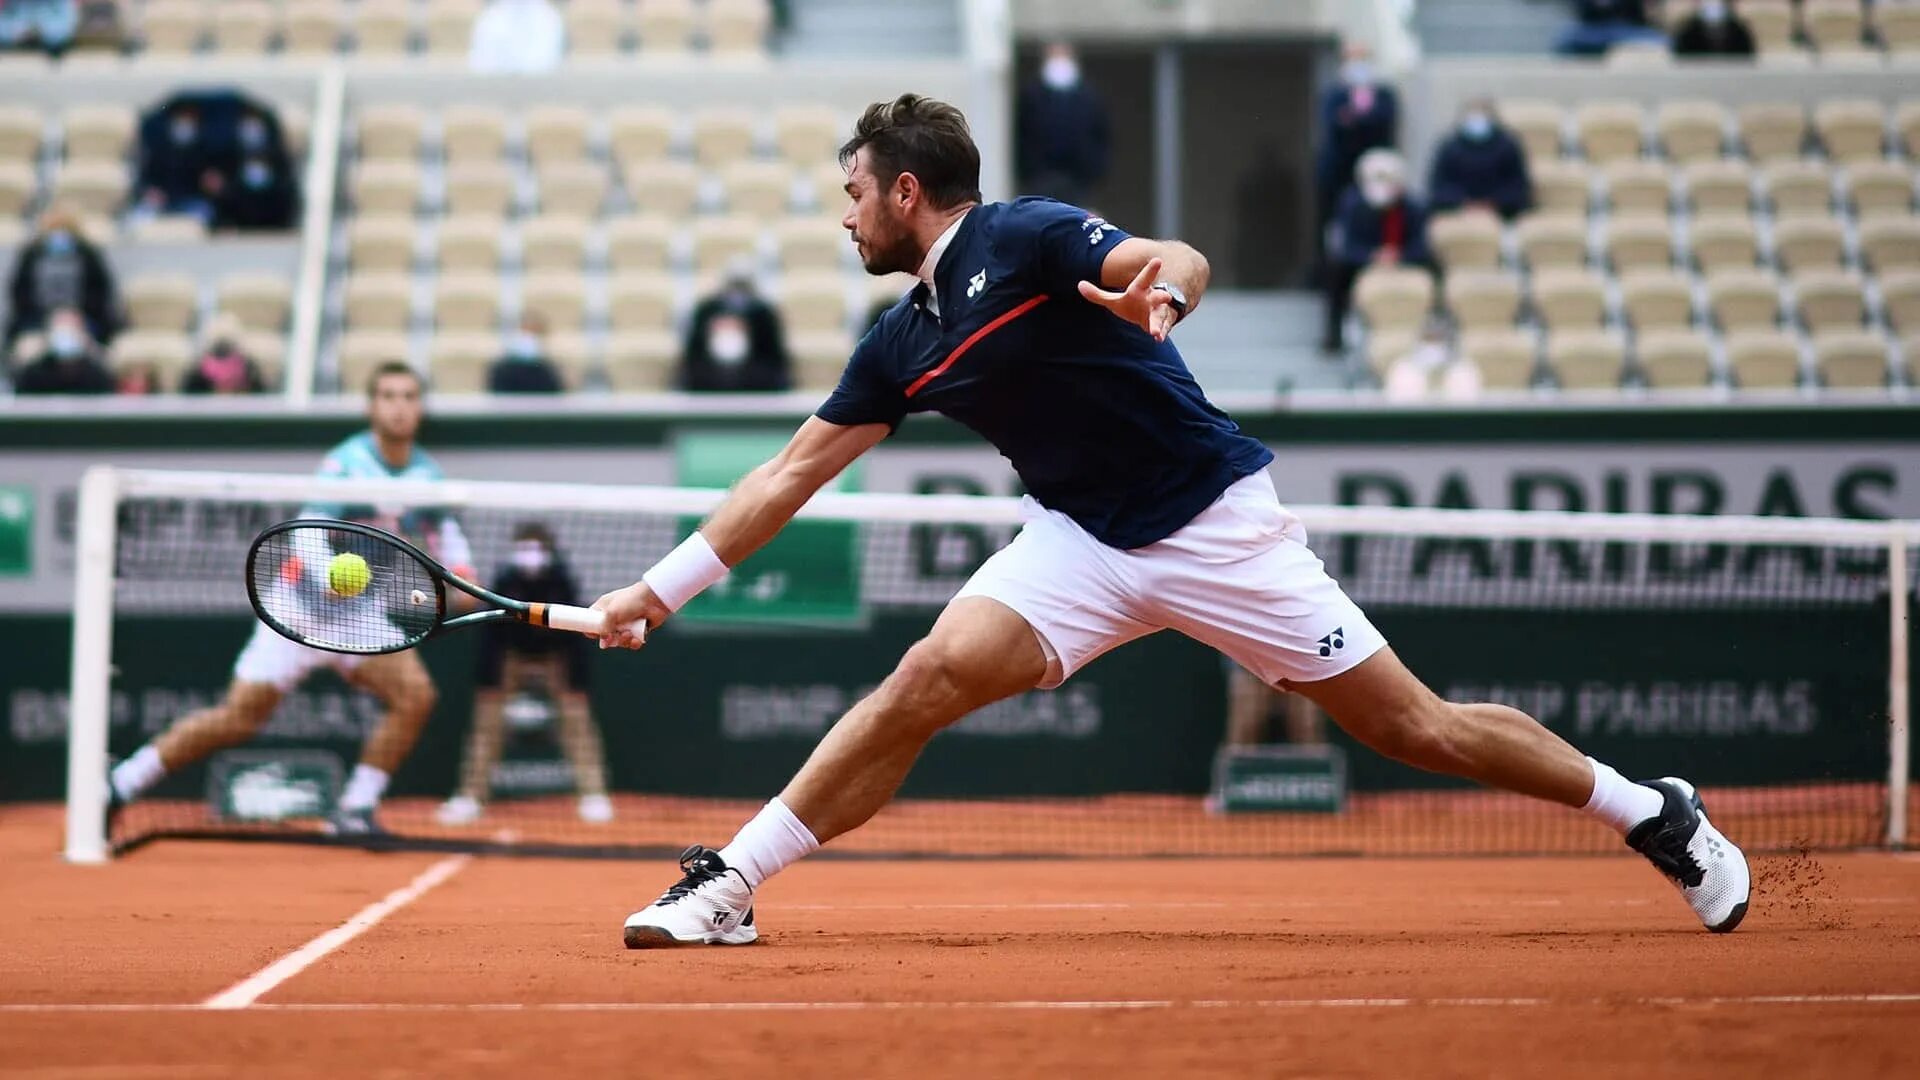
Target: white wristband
{"x":686,"y":572}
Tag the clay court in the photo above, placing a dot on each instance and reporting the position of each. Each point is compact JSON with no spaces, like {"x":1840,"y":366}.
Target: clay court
{"x":1272,"y":967}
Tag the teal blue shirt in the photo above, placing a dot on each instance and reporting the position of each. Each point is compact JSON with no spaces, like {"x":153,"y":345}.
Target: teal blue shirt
{"x":358,"y":458}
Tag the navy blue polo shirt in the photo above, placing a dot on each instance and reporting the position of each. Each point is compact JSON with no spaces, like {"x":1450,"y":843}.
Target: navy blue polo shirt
{"x":1101,"y":422}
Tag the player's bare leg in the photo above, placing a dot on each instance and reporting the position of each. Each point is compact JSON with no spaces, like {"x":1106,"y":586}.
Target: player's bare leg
{"x":194,"y":737}
{"x":580,"y":741}
{"x":979,"y":652}
{"x":401,"y":683}
{"x":483,"y":744}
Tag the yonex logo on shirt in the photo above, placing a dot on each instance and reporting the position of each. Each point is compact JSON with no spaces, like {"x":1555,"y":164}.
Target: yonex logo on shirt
{"x":977,"y":284}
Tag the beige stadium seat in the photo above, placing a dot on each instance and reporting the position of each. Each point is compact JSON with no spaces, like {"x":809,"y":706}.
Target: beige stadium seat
{"x":1829,"y":300}
{"x":554,"y":242}
{"x":21,"y":129}
{"x":1773,"y":131}
{"x":163,"y":302}
{"x":1468,"y":240}
{"x":1538,"y":125}
{"x":1880,"y":188}
{"x":819,"y":358}
{"x":807,"y":135}
{"x":760,"y":189}
{"x":92,"y":187}
{"x":380,"y":243}
{"x":1809,"y":243}
{"x":391,"y":132}
{"x":1798,"y":188}
{"x":1586,"y":359}
{"x":1890,"y":243}
{"x":244,"y":27}
{"x":457,"y":362}
{"x":666,"y":26}
{"x":559,"y":298}
{"x":311,"y":27}
{"x":98,"y":132}
{"x":737,"y":26}
{"x":1609,"y":130}
{"x":722,"y":135}
{"x":640,"y":302}
{"x":1387,"y":347}
{"x":1553,"y":241}
{"x":639,"y":243}
{"x":296,"y":128}
{"x":466,"y":302}
{"x":1833,"y":25}
{"x":643,"y":362}
{"x":814,"y":301}
{"x":662,"y":187}
{"x":597,"y":27}
{"x":1743,"y":299}
{"x":360,"y":351}
{"x":166,"y":229}
{"x":1900,"y":299}
{"x":468,"y":244}
{"x":168,"y":351}
{"x":888,"y":288}
{"x":573,"y":187}
{"x":379,"y":302}
{"x":269,"y":352}
{"x":17,"y":187}
{"x":449,"y":26}
{"x":381,"y":29}
{"x":385,"y":187}
{"x":1851,"y":129}
{"x":172,"y":27}
{"x":830,"y":189}
{"x":480,"y":189}
{"x":1656,"y":299}
{"x":1674,"y":359}
{"x":1483,"y":299}
{"x":1722,"y":243}
{"x":1691,"y":131}
{"x":557,"y":133}
{"x":473,"y":134}
{"x":719,"y":240}
{"x":1719,"y":187}
{"x":1635,"y":242}
{"x":256,"y":301}
{"x":572,"y":358}
{"x":639,"y":132}
{"x":1771,"y":22}
{"x":1638,"y":187}
{"x":1399,"y":297}
{"x":811,"y":244}
{"x":1906,"y":121}
{"x":1560,"y":187}
{"x":1851,"y":359}
{"x":1567,"y":299}
{"x":1898,"y":25}
{"x":1506,"y":358}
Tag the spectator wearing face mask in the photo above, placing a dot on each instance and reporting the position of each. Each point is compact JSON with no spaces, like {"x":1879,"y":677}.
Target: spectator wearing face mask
{"x":47,"y":25}
{"x":1481,"y":166}
{"x":180,"y":167}
{"x":71,"y":363}
{"x":734,"y":341}
{"x":1063,"y":139}
{"x":517,"y":37}
{"x":1714,"y":29}
{"x":1378,"y":224}
{"x":223,"y":369}
{"x":1602,"y":24}
{"x":59,"y":268}
{"x":1357,"y":114}
{"x":524,"y":368}
{"x":256,"y":190}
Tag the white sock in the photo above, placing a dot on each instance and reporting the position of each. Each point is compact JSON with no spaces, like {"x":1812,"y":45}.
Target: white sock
{"x":771,"y":842}
{"x":1620,"y":802}
{"x":364,"y":788}
{"x":132,"y":777}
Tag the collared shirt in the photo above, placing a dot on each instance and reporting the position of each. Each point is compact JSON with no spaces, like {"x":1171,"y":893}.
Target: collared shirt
{"x":927,"y":265}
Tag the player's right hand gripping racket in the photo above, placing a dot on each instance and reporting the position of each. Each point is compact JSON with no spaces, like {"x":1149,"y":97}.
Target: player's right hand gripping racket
{"x":350,"y":588}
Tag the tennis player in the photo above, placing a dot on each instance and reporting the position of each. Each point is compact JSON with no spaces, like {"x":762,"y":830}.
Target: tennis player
{"x":271,"y":665}
{"x":1044,"y":328}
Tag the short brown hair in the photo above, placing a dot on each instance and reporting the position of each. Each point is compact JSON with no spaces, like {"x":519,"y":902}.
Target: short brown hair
{"x":918,"y":135}
{"x":393,"y":367}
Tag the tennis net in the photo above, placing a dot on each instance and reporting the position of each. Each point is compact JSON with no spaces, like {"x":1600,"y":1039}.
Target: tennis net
{"x":1765,"y":659}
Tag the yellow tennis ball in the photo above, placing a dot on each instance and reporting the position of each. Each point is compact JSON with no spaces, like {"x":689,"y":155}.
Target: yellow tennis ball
{"x":348,"y":574}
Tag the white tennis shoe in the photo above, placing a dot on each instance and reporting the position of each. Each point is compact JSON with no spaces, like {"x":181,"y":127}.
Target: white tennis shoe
{"x":1683,"y":845}
{"x":712,"y":904}
{"x":596,"y":809}
{"x":459,"y":810}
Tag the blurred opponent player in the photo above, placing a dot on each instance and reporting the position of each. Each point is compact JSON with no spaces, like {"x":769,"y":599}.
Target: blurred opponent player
{"x":271,"y":665}
{"x":1044,"y":329}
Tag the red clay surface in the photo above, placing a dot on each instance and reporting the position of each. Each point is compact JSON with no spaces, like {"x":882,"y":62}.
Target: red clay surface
{"x":1277,"y":967}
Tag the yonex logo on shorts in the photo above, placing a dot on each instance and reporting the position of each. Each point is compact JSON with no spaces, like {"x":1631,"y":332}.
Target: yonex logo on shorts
{"x":1333,"y":642}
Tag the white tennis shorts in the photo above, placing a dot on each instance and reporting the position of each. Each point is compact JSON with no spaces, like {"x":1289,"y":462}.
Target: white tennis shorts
{"x":270,"y":658}
{"x":1238,"y":577}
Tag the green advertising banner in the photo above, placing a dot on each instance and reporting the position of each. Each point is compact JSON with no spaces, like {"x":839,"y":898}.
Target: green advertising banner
{"x":16,"y":531}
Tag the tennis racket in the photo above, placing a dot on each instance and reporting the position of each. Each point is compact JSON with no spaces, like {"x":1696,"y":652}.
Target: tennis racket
{"x":402,"y":599}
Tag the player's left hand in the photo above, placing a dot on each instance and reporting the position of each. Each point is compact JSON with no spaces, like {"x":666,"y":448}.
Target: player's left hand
{"x":1141,"y":304}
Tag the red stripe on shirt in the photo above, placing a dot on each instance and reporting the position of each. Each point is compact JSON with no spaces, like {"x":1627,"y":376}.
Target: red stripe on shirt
{"x":974,"y":339}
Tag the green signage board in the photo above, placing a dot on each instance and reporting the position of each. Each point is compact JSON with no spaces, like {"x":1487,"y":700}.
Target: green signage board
{"x":1310,"y":779}
{"x":272,"y":785}
{"x":16,"y":531}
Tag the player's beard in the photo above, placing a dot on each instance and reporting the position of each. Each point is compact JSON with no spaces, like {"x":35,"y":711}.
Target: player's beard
{"x":889,"y":250}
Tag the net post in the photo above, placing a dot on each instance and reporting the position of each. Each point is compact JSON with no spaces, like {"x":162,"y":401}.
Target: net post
{"x":1899,"y":739}
{"x":89,"y":702}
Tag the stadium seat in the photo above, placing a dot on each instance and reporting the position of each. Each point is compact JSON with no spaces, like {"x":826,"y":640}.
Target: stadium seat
{"x":1906,"y":121}
{"x":255,"y":301}
{"x":1506,"y":358}
{"x":557,"y":134}
{"x":1691,"y":131}
{"x":760,"y":189}
{"x":379,"y":243}
{"x":1891,"y":243}
{"x":811,"y":244}
{"x":166,"y":229}
{"x":1763,"y":360}
{"x":1396,"y":297}
{"x":1586,"y":359}
{"x":889,"y":288}
{"x":1719,"y":187}
{"x":1553,"y":241}
{"x":311,"y":27}
{"x":360,"y":352}
{"x":169,"y":353}
{"x":815,"y":301}
{"x":1773,"y":131}
{"x":1798,"y":188}
{"x":1898,"y":25}
{"x":466,"y":302}
{"x":1900,"y":300}
{"x":244,"y":27}
{"x":295,"y":128}
{"x":163,"y":302}
{"x":829,"y":183}
{"x":722,"y":135}
{"x":1808,"y":243}
{"x":472,"y":134}
{"x":17,"y":187}
{"x":92,"y":187}
{"x":719,"y":240}
{"x":391,"y":132}
{"x":172,"y":27}
{"x":1465,"y":240}
{"x":1833,"y":26}
{"x":642,"y":362}
{"x":639,"y":133}
{"x":468,"y":244}
{"x":1851,"y":359}
{"x":1771,"y":22}
{"x":1560,"y":187}
{"x":1638,"y":242}
{"x":449,"y":26}
{"x":1609,"y":130}
{"x":807,"y":135}
{"x":269,"y":353}
{"x":572,"y":357}
{"x":1743,"y":298}
{"x":1880,"y":188}
{"x":666,"y":26}
{"x":640,"y":302}
{"x":97,"y":132}
{"x":458,"y":362}
{"x":597,"y":27}
{"x":737,"y":26}
{"x":1538,"y":125}
{"x":662,"y":187}
{"x":819,"y":358}
{"x":639,"y":243}
{"x":1850,"y":129}
{"x":378,"y":301}
{"x":559,"y":298}
{"x":573,"y":187}
{"x":1674,"y":359}
{"x":553,"y":242}
{"x":385,"y":187}
{"x":1638,"y":187}
{"x":480,"y":189}
{"x":1829,"y":300}
{"x":1722,"y":243}
{"x":381,"y":29}
{"x":1568,"y":299}
{"x":21,"y":129}
{"x":1483,"y":299}
{"x":1656,"y":299}
{"x":1387,"y":347}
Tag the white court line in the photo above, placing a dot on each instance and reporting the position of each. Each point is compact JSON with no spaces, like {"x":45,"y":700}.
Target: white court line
{"x":1120,"y":1004}
{"x":244,"y":993}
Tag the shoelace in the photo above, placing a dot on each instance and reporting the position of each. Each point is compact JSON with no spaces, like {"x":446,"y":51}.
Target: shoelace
{"x":1667,"y":850}
{"x":696,"y":869}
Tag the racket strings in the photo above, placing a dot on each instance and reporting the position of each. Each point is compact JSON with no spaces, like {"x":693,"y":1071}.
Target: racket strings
{"x":302,"y":593}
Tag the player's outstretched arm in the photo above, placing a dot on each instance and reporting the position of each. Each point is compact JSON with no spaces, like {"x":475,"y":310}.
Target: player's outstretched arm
{"x":759,"y":506}
{"x":1134,"y":266}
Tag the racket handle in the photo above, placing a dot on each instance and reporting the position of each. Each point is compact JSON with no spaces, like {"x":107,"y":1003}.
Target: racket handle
{"x":580,"y":620}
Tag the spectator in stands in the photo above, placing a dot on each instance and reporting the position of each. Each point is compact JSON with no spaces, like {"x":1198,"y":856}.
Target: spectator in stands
{"x":60,"y":268}
{"x":223,"y":369}
{"x":48,"y":25}
{"x":138,"y":378}
{"x":734,"y":340}
{"x":1714,"y":29}
{"x":260,"y":195}
{"x":1605,"y":23}
{"x":1378,"y":224}
{"x":1063,"y":136}
{"x":525,"y":368}
{"x":1356,"y":115}
{"x":1480,"y":166}
{"x":517,"y":37}
{"x":179,"y":167}
{"x":71,"y":364}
